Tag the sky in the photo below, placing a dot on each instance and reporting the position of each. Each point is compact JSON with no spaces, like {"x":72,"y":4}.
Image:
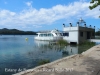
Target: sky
{"x":37,"y":15}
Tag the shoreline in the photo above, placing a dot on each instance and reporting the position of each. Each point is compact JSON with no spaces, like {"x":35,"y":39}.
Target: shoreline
{"x":74,"y":63}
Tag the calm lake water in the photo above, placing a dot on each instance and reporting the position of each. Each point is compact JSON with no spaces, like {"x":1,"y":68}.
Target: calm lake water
{"x":19,"y":54}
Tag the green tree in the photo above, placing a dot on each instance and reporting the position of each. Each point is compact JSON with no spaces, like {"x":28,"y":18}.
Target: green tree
{"x":95,"y":4}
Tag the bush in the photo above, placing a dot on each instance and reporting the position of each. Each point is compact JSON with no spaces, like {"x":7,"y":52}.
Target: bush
{"x":88,"y":43}
{"x":62,"y":42}
{"x":41,"y":62}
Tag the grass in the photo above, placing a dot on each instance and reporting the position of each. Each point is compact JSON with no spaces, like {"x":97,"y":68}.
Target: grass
{"x":87,"y":43}
{"x":62,"y":42}
{"x":43,"y":61}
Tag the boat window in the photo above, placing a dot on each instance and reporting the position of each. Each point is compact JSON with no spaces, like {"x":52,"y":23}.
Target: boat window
{"x":50,"y":35}
{"x":56,"y":33}
{"x":41,"y":35}
{"x":45,"y":35}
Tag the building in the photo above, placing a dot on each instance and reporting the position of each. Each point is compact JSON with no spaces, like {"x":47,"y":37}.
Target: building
{"x":79,"y":33}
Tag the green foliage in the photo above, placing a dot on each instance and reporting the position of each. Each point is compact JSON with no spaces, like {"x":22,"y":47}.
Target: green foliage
{"x":97,"y":33}
{"x":94,"y":4}
{"x":87,"y":43}
{"x":62,"y":42}
{"x":6,"y":31}
{"x":97,"y":2}
{"x":92,"y":1}
{"x":41,"y":62}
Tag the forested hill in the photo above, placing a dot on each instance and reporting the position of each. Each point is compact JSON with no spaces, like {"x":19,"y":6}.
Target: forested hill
{"x":6,"y":31}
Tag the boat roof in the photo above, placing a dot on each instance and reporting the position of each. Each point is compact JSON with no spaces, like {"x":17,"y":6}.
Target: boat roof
{"x":52,"y":31}
{"x":44,"y":31}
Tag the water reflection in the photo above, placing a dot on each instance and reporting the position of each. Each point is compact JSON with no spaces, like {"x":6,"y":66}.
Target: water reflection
{"x":65,"y":50}
{"x":72,"y":49}
{"x":41,"y":43}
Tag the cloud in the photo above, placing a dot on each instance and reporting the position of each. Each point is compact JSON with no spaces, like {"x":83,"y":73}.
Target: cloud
{"x":29,"y":4}
{"x":37,"y":18}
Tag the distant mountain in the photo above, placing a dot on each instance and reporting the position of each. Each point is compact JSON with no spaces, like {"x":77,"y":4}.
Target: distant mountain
{"x":6,"y":31}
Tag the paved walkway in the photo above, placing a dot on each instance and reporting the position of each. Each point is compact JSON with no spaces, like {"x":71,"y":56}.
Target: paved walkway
{"x":87,"y":63}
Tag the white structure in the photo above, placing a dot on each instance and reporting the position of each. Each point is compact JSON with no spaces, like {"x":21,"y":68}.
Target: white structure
{"x":49,"y":35}
{"x":78,"y":33}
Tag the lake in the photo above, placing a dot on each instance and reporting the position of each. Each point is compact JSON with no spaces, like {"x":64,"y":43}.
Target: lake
{"x":18,"y":54}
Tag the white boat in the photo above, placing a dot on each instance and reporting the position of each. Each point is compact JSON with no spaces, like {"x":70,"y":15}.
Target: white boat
{"x":53,"y":35}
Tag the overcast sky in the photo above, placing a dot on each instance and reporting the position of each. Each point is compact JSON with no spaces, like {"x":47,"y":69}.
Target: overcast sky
{"x":35,"y":15}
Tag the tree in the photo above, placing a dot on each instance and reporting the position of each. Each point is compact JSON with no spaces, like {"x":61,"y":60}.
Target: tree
{"x":95,"y":4}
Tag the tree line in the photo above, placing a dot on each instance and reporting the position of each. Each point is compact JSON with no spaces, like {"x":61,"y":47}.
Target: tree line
{"x":6,"y":31}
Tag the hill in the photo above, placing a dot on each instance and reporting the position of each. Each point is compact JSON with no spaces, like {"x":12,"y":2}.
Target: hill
{"x":6,"y":31}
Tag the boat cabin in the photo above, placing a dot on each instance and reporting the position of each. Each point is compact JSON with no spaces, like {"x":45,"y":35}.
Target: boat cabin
{"x":49,"y":35}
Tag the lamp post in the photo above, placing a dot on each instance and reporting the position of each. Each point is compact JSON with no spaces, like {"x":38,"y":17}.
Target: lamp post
{"x":63,"y":25}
